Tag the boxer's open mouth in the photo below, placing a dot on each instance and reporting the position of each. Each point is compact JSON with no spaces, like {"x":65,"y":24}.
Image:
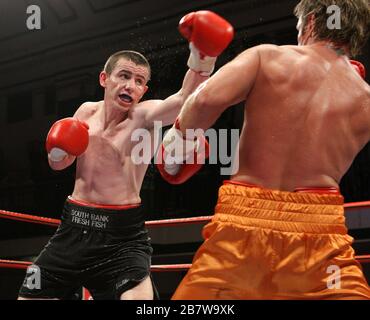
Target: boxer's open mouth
{"x":125,"y":98}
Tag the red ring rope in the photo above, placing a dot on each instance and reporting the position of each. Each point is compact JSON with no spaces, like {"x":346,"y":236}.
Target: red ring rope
{"x":55,"y":222}
{"x":155,"y":223}
{"x":12,"y":264}
{"x":173,"y":222}
{"x":28,"y":218}
{"x":353,"y":205}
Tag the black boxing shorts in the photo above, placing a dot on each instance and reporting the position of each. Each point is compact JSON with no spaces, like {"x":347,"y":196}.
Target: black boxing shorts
{"x":107,"y":251}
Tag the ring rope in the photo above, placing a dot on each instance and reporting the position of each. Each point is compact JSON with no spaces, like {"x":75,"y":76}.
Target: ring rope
{"x":55,"y":222}
{"x":353,"y":205}
{"x":154,"y":223}
{"x":13,"y":264}
{"x":28,"y":218}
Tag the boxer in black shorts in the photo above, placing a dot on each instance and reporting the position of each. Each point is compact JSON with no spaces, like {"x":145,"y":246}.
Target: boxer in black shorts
{"x":108,"y":251}
{"x":104,"y":249}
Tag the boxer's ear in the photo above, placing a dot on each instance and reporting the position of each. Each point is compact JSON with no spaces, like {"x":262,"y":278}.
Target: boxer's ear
{"x":145,"y":89}
{"x":103,"y":78}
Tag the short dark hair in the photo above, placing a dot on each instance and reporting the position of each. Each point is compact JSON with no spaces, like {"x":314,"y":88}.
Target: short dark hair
{"x":133,"y":56}
{"x":354,"y":16}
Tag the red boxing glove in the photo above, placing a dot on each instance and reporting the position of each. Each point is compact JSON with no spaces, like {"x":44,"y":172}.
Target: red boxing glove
{"x":359,"y":67}
{"x":209,"y":35}
{"x":181,"y":167}
{"x":67,"y":136}
{"x":209,"y":32}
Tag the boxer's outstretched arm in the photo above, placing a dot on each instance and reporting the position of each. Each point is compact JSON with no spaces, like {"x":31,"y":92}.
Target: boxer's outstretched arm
{"x":167,"y":110}
{"x":230,"y":85}
{"x":208,"y":35}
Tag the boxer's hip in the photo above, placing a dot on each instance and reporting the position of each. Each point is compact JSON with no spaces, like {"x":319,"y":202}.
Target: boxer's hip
{"x":109,"y":218}
{"x":89,"y":236}
{"x":312,"y":210}
{"x":265,"y":243}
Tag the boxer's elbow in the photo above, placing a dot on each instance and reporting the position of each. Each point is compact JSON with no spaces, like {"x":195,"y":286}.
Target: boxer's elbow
{"x":206,"y":100}
{"x":191,"y":83}
{"x":181,"y":97}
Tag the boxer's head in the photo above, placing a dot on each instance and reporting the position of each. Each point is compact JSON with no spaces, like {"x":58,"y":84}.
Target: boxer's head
{"x":318,"y":23}
{"x":133,"y":56}
{"x":124,"y":77}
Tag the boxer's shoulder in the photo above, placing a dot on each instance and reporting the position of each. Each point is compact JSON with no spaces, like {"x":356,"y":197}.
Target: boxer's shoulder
{"x":149,"y":103}
{"x":270,"y":51}
{"x":87,"y":109}
{"x":262,"y":49}
{"x":276,"y":59}
{"x":143,"y":107}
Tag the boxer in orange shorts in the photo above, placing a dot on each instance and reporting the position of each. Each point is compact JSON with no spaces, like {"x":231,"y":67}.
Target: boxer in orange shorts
{"x":279,"y":231}
{"x":270,"y":244}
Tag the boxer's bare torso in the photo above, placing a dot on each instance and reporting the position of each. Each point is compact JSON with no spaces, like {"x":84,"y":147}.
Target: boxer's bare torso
{"x":306,"y":118}
{"x":105,"y":173}
{"x":307,"y":114}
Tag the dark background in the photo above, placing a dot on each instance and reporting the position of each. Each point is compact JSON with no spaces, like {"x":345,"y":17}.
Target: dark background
{"x":46,"y":74}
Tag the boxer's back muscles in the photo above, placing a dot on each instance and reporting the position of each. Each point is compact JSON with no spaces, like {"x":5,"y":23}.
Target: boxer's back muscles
{"x":306,"y":117}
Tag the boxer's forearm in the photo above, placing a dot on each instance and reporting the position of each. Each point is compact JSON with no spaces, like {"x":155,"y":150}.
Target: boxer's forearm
{"x":168,"y":109}
{"x":203,"y":107}
{"x":173,"y":106}
{"x":191,"y":81}
{"x":229,"y":86}
{"x":196,"y":114}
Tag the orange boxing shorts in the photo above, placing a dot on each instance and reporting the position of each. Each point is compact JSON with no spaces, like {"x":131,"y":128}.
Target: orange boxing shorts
{"x":270,"y":244}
